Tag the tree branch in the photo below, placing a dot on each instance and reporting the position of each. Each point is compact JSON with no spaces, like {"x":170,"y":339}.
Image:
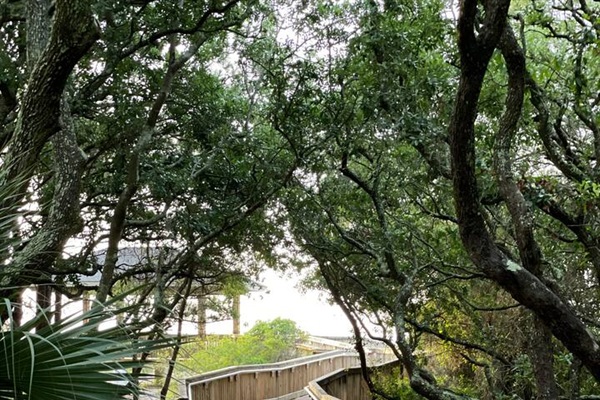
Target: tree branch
{"x":519,"y":282}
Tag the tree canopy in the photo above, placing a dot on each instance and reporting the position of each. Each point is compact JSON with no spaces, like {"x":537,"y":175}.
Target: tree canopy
{"x":435,"y":164}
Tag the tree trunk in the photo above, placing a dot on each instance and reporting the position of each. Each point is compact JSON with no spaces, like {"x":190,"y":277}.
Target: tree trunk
{"x":117,"y":223}
{"x":476,"y":51}
{"x":53,"y":51}
{"x":541,"y":354}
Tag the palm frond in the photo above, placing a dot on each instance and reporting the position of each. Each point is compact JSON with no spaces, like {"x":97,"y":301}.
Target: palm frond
{"x":75,"y":358}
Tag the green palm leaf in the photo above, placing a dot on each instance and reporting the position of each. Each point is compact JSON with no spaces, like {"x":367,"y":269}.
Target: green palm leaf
{"x":71,"y":359}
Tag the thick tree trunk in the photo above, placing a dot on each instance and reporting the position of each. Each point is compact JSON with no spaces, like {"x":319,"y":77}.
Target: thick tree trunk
{"x":73,"y":33}
{"x":63,"y":218}
{"x":51,"y":58}
{"x":522,"y":284}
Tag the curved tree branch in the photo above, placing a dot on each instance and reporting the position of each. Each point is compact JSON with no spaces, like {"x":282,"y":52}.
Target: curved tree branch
{"x":524,"y":286}
{"x":42,"y":114}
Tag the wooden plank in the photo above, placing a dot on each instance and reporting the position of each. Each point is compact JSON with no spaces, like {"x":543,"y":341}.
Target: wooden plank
{"x":264,"y":383}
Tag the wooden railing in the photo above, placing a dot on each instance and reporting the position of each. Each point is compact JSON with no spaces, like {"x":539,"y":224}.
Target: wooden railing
{"x":346,"y":383}
{"x":315,"y":344}
{"x":268,"y":381}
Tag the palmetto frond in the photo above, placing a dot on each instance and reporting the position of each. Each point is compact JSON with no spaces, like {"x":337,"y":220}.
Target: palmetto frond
{"x":76,"y":358}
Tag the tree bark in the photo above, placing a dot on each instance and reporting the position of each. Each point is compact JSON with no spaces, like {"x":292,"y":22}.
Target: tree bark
{"x":522,"y":284}
{"x":73,"y":33}
{"x":117,"y":223}
{"x":540,"y":345}
{"x":541,"y":354}
{"x":51,"y":58}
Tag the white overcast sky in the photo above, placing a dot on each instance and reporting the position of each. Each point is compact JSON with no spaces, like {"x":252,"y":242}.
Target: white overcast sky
{"x":283,"y":299}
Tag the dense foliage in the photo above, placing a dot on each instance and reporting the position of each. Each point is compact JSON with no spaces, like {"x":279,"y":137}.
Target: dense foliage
{"x":266,"y":342}
{"x":435,"y":165}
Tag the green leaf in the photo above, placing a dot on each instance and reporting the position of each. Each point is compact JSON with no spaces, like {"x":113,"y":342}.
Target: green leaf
{"x":73,"y":358}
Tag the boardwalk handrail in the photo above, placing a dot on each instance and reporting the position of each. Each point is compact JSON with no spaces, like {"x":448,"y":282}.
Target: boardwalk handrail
{"x":294,"y":362}
{"x":236,"y":371}
{"x":317,"y":343}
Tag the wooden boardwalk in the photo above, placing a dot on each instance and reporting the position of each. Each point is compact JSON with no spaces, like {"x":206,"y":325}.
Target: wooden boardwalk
{"x":268,"y":381}
{"x":347,"y":383}
{"x":321,"y":375}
